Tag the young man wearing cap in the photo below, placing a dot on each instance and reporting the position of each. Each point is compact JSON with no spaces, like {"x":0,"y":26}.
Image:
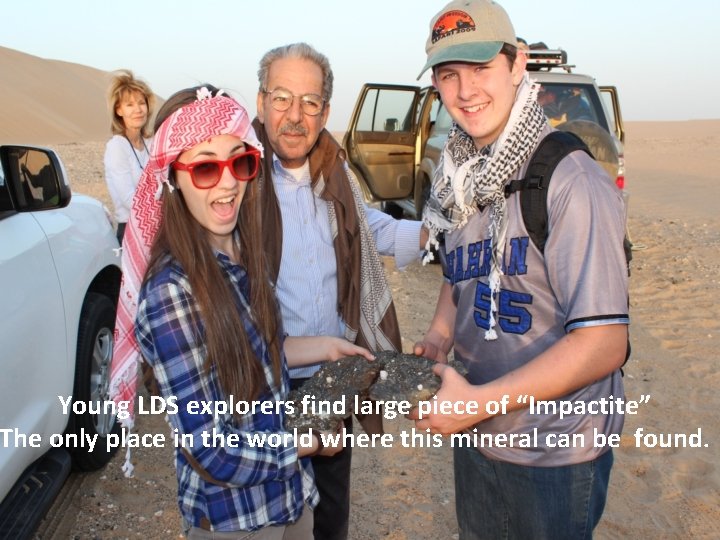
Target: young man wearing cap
{"x":529,"y":325}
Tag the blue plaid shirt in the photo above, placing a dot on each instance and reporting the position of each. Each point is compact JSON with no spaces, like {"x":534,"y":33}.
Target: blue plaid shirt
{"x":269,"y":485}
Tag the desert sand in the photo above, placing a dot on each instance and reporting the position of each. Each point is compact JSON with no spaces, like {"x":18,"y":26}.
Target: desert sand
{"x":35,"y":111}
{"x":673,"y":179}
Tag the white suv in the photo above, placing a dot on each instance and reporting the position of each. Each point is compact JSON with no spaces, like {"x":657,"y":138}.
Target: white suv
{"x":60,"y":277}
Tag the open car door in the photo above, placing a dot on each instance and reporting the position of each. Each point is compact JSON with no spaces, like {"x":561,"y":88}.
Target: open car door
{"x":610,"y":97}
{"x":381,"y":140}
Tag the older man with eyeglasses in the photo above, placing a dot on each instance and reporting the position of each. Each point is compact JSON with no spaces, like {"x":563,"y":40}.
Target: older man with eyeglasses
{"x":322,"y":241}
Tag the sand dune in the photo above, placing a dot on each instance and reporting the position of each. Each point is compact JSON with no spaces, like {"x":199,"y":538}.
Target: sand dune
{"x":48,"y":101}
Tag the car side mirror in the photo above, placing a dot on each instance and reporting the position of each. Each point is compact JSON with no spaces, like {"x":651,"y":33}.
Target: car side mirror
{"x":33,"y":178}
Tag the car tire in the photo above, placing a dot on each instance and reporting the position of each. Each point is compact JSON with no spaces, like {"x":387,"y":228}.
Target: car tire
{"x":92,"y":378}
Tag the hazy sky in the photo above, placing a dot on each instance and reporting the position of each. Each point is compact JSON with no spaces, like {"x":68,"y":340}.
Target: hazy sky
{"x":660,"y":54}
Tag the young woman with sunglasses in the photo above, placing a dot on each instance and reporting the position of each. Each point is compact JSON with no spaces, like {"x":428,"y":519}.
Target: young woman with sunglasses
{"x":206,"y":319}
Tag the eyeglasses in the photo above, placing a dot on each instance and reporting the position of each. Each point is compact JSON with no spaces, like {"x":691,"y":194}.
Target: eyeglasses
{"x":281,"y":100}
{"x":206,"y":174}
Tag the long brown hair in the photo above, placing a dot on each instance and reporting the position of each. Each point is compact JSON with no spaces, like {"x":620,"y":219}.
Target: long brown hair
{"x":181,"y":237}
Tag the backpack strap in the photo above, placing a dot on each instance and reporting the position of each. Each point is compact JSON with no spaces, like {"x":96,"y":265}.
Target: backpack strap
{"x":534,"y":187}
{"x":533,"y":197}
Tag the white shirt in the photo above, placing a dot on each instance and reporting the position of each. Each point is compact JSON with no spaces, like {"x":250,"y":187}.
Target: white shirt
{"x":123,"y":167}
{"x":307,"y":281}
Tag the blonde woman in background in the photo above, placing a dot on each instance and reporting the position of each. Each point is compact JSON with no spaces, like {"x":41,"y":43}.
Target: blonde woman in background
{"x":126,"y":153}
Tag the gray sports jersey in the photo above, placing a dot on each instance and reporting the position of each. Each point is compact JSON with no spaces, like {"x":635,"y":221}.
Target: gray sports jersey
{"x":581,"y":281}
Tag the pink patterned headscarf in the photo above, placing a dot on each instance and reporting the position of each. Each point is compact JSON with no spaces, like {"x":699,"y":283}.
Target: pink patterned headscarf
{"x":190,"y":125}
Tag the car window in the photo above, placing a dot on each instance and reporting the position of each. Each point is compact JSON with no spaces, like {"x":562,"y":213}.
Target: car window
{"x":387,"y":110}
{"x":567,"y":102}
{"x":434,"y":108}
{"x":443,"y":120}
{"x":426,"y":94}
{"x":610,"y":106}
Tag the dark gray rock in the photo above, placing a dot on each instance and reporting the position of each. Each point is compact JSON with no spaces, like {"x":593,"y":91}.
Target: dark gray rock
{"x":391,"y":376}
{"x":331,"y":393}
{"x":405,"y":377}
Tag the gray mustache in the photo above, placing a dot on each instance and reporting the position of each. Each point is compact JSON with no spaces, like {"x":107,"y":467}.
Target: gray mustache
{"x":294,"y":129}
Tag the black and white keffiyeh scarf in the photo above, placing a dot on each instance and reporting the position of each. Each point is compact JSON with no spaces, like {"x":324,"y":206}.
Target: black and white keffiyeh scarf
{"x":468,"y":178}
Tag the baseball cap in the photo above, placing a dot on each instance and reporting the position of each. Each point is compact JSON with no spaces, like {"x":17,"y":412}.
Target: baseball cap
{"x":468,"y":31}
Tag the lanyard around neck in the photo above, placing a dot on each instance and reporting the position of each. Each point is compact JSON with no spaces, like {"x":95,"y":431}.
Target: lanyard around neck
{"x":132,"y":147}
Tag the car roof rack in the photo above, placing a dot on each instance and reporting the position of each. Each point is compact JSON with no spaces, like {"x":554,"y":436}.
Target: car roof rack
{"x":547,"y":59}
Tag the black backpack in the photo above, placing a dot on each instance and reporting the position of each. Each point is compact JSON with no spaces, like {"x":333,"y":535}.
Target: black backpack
{"x":534,"y":187}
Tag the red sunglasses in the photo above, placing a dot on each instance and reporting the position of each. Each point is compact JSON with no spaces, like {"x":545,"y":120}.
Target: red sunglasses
{"x":206,"y":174}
